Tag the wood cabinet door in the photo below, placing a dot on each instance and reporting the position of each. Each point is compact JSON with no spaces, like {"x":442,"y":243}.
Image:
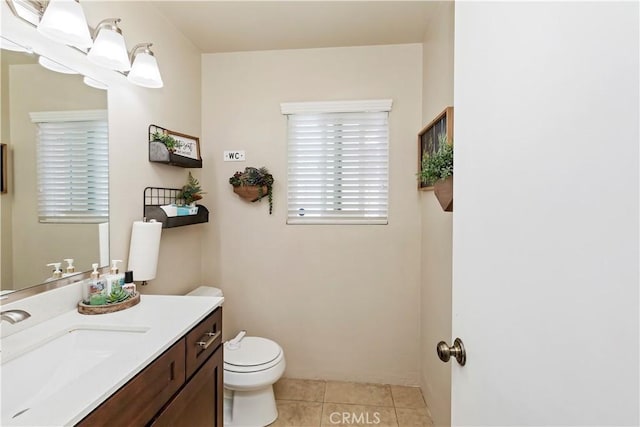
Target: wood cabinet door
{"x":142,"y":397}
{"x":200,"y":402}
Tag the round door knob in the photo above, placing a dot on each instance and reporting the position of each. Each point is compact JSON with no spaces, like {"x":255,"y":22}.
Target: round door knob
{"x":457,"y":351}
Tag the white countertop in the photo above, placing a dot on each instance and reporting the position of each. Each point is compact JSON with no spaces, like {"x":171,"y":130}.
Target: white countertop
{"x":163,"y":318}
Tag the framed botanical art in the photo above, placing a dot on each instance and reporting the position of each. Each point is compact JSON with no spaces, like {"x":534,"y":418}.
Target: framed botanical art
{"x":439,"y":130}
{"x":188,"y":146}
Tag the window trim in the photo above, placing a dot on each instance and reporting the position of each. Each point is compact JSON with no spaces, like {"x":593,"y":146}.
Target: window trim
{"x":368,"y":106}
{"x":68,"y":116}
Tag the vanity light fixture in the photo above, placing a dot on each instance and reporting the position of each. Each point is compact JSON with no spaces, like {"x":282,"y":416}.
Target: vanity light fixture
{"x":54,"y":66}
{"x":28,"y":10}
{"x":144,"y":67}
{"x":14,"y":47}
{"x":109,"y":49}
{"x":94,"y":83}
{"x":64,"y":22}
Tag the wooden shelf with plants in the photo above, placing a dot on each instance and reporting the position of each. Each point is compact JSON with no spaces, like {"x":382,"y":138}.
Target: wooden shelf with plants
{"x":158,"y":199}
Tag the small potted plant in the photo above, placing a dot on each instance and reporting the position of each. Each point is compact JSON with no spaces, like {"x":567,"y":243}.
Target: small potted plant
{"x":437,"y":170}
{"x":191,"y":191}
{"x":253,"y":184}
{"x":170,"y":142}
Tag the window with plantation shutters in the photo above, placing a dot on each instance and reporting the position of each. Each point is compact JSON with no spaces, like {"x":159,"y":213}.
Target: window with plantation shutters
{"x":72,"y":165}
{"x":338,"y":162}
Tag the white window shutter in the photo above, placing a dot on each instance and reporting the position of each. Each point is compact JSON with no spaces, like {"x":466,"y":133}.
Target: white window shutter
{"x":73,"y":166}
{"x":338,"y":166}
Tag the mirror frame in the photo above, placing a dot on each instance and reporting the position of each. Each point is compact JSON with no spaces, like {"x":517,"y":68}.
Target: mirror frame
{"x":30,"y":291}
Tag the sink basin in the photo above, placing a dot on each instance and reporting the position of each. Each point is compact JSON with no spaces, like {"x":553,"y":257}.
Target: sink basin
{"x":36,"y":374}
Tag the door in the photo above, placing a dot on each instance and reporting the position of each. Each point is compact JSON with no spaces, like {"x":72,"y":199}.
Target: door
{"x":545,"y":228}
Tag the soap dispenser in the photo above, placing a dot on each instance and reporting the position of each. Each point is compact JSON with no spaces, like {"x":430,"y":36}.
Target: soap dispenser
{"x":115,"y":279}
{"x":57,"y":273}
{"x":96,"y":289}
{"x":70,"y":268}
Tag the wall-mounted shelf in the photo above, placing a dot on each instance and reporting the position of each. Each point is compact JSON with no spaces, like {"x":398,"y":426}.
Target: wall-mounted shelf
{"x":158,"y":152}
{"x":154,"y":197}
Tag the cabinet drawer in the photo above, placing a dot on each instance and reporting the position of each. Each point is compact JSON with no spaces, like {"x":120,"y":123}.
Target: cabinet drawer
{"x":140,"y":399}
{"x":203,"y":340}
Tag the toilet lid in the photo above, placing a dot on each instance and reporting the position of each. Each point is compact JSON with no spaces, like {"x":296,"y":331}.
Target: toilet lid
{"x":253,"y":351}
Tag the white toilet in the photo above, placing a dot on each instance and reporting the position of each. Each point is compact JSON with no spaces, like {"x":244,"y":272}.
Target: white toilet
{"x":251,"y":366}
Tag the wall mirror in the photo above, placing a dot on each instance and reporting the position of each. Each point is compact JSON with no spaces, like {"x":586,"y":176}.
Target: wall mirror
{"x":56,"y":205}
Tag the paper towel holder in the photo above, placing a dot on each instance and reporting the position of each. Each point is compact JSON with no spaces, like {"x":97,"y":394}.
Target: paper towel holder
{"x":144,"y":250}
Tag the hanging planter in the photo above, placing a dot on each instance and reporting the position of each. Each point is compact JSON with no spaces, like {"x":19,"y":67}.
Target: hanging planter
{"x":253,"y":184}
{"x":437,"y":170}
{"x":251,"y":193}
{"x":443,"y":190}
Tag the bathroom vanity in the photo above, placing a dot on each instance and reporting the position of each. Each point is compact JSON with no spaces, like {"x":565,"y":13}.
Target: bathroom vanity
{"x":159,"y":363}
{"x":182,"y":387}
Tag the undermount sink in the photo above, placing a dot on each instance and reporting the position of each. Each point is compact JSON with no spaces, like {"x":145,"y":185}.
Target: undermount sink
{"x":33,"y":375}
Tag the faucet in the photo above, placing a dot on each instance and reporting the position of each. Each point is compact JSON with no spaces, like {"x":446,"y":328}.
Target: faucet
{"x":14,"y":316}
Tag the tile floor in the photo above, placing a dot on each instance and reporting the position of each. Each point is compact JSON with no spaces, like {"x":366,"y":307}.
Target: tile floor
{"x":306,"y":403}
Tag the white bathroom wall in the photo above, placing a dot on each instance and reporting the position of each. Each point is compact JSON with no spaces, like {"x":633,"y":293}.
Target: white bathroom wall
{"x":343,"y":301}
{"x":131,"y":109}
{"x":436,"y":230}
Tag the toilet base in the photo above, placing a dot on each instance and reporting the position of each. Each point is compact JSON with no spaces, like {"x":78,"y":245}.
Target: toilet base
{"x":255,"y":408}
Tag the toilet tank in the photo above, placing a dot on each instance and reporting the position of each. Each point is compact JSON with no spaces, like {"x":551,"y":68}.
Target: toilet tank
{"x":206,"y":291}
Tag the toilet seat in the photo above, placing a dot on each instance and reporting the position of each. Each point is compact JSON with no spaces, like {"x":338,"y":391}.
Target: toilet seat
{"x":253,"y":354}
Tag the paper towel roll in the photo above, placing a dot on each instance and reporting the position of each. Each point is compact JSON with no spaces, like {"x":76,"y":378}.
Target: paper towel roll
{"x":144,"y":249}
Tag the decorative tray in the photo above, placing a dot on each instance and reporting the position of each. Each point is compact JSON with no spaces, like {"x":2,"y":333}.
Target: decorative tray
{"x":109,"y":308}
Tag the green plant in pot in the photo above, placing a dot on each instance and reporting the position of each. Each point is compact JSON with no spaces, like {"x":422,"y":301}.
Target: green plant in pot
{"x":437,"y":170}
{"x":170,"y":142}
{"x":253,"y":184}
{"x":191,"y":191}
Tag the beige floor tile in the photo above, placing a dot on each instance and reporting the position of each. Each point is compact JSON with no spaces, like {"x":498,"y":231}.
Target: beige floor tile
{"x":339,"y":414}
{"x":358,"y":393}
{"x":293,"y":389}
{"x":298,"y":414}
{"x":407,"y":397}
{"x":413,"y":417}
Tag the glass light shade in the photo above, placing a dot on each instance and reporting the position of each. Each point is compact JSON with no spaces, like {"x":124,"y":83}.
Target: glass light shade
{"x":9,"y":45}
{"x":54,"y":66}
{"x":144,"y":71}
{"x":109,"y":51}
{"x":64,"y":22}
{"x":27,"y":12}
{"x":94,"y":83}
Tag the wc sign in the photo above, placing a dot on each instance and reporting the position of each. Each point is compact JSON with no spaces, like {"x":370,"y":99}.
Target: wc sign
{"x":234,"y":156}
